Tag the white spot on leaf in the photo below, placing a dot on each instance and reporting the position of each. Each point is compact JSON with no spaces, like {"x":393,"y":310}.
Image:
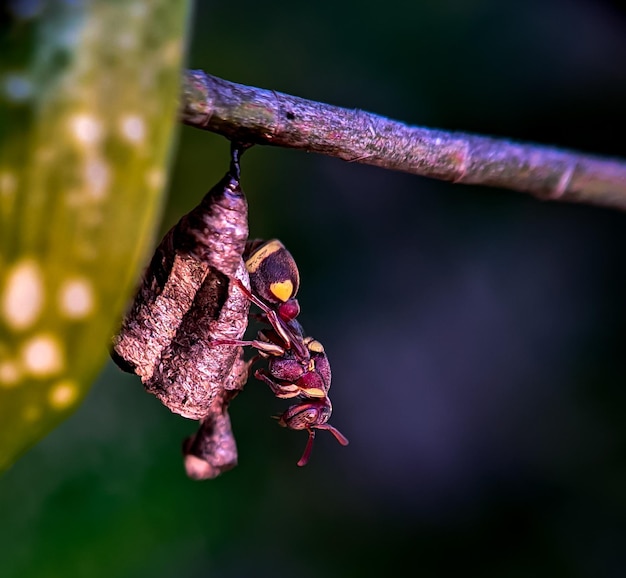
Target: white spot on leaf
{"x":63,"y":394}
{"x":133,"y":128}
{"x":127,"y":40}
{"x":170,"y":53}
{"x":8,"y":183}
{"x":97,"y":175}
{"x":76,"y":298}
{"x":86,"y":128}
{"x":155,"y":178}
{"x":23,"y":296}
{"x":42,"y":355}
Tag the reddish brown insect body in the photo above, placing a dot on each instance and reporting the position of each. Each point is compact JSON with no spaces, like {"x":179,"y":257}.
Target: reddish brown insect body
{"x":297,"y":364}
{"x":311,"y":416}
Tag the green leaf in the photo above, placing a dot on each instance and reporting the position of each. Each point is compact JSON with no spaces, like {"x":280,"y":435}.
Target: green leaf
{"x":88,"y":98}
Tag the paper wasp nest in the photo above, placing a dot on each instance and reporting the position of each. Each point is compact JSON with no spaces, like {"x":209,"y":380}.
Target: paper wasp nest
{"x":186,"y":301}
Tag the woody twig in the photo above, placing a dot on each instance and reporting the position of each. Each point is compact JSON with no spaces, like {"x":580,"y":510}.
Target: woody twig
{"x":263,"y":116}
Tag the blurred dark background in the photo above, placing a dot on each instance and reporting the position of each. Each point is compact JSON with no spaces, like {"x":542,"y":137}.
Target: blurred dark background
{"x":476,"y":336}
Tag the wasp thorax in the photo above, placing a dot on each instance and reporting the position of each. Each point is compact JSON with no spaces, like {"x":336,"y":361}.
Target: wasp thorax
{"x":274,"y":275}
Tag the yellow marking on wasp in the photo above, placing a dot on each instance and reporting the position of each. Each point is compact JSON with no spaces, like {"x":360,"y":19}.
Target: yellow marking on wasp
{"x":23,"y":296}
{"x":42,"y":355}
{"x":315,"y":346}
{"x":283,"y":290}
{"x":76,"y":299}
{"x":63,"y":394}
{"x":262,"y":253}
{"x":315,"y":392}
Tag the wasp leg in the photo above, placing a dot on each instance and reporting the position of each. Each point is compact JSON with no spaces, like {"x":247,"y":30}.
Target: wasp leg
{"x":307,"y":450}
{"x":276,"y":322}
{"x":282,"y":390}
{"x":264,"y":347}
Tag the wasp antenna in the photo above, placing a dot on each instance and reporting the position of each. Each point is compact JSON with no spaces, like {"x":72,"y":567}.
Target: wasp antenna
{"x":343,"y":440}
{"x":307,"y":450}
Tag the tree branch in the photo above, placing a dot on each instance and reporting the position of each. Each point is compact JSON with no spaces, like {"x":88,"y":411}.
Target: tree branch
{"x":260,"y":116}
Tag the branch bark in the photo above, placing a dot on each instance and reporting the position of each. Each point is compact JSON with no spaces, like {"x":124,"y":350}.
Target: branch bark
{"x":261,"y":116}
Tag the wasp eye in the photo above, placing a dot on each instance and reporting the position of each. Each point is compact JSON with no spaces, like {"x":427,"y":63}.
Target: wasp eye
{"x":312,"y":416}
{"x":308,"y":416}
{"x":300,"y":416}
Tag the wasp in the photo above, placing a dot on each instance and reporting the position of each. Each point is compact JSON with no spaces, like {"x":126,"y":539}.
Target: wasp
{"x":298,"y":366}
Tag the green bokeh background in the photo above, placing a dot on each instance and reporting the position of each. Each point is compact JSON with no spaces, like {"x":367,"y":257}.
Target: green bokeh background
{"x":476,"y":336}
{"x":88,"y":100}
